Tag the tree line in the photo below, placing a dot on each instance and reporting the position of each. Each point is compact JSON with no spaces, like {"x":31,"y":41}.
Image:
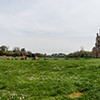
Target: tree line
{"x":4,"y":50}
{"x":16,"y":51}
{"x":80,"y":54}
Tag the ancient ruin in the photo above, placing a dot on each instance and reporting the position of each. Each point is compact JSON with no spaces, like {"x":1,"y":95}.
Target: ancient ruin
{"x":96,"y":49}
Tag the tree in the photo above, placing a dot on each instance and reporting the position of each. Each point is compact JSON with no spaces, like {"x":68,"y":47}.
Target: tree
{"x":80,"y":54}
{"x":23,"y":51}
{"x":29,"y":54}
{"x":4,"y":48}
{"x":1,"y":53}
{"x":16,"y":49}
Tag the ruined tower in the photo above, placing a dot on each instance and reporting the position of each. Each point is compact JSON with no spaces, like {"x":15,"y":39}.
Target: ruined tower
{"x":96,"y":49}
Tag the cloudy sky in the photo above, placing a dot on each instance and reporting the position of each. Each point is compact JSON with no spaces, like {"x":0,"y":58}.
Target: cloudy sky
{"x":49,"y":26}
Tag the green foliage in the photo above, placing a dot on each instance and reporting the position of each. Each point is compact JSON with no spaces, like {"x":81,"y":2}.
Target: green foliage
{"x":4,"y":48}
{"x":59,"y":55}
{"x":50,"y":79}
{"x":80,"y":54}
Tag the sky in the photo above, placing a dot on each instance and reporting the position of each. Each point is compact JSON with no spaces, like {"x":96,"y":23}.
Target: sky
{"x":49,"y":26}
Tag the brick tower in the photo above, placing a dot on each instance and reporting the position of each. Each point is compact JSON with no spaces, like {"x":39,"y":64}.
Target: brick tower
{"x":96,"y":49}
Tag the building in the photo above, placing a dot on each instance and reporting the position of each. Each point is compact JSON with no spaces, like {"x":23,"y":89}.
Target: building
{"x":96,"y":49}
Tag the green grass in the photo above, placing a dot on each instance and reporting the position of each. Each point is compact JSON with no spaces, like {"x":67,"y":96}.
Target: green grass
{"x":50,"y":79}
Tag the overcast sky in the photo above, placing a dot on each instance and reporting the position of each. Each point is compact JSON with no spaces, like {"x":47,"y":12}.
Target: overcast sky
{"x":49,"y":26}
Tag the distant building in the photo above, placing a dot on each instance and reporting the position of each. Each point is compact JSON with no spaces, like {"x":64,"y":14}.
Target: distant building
{"x":96,"y":49}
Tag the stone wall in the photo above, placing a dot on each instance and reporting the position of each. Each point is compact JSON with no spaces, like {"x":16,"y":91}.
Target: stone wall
{"x":96,"y":49}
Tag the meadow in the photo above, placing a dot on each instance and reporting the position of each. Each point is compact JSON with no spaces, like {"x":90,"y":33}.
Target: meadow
{"x":70,"y":79}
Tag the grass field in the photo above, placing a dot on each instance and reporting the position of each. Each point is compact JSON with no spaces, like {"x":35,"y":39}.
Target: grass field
{"x":50,"y":79}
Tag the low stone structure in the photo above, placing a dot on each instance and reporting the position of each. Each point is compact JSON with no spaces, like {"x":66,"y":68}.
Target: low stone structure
{"x":24,"y":58}
{"x":35,"y":58}
{"x":96,"y":49}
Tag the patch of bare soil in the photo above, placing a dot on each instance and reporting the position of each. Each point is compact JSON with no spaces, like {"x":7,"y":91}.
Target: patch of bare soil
{"x":75,"y":95}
